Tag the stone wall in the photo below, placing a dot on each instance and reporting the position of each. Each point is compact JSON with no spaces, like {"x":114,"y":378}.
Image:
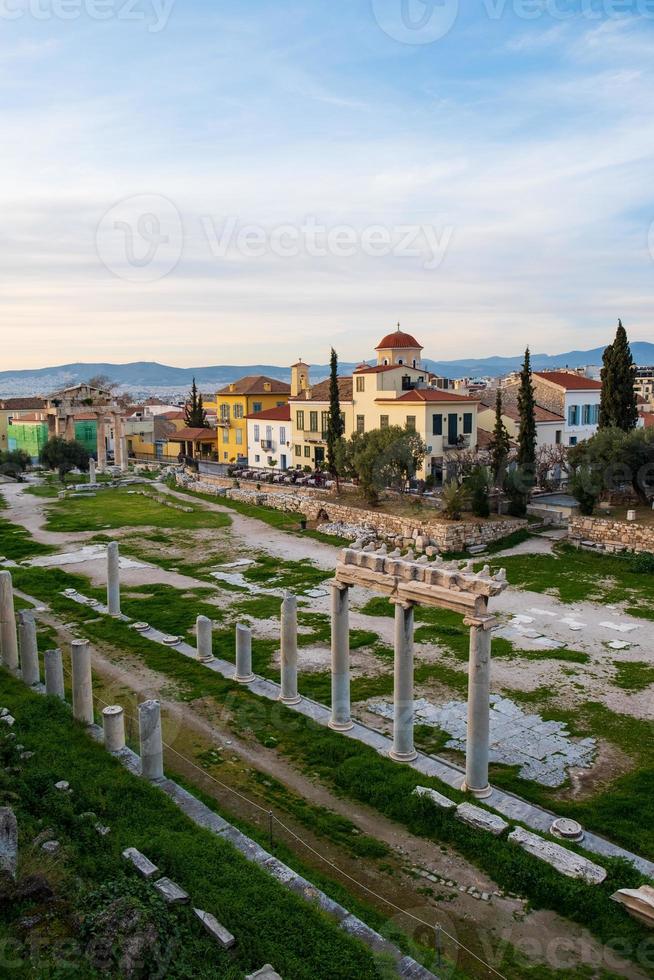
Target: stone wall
{"x":319,"y":504}
{"x":612,"y":535}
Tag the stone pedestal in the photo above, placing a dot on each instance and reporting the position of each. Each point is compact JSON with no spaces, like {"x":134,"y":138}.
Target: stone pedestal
{"x":29,"y":653}
{"x":204,"y":645}
{"x":243,"y":655}
{"x":113,"y":579}
{"x":113,"y":724}
{"x":476,"y":781}
{"x":340,"y":719}
{"x":92,"y":476}
{"x":151,"y":740}
{"x":289,"y":693}
{"x":82,"y":681}
{"x":403,"y":749}
{"x":8,"y":636}
{"x":54,"y":674}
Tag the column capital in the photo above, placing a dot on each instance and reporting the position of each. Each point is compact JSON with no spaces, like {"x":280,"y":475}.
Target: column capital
{"x":403,"y":603}
{"x":337,"y":584}
{"x":480,"y":622}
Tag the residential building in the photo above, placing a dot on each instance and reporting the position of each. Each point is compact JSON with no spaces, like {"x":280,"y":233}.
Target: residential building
{"x":234,"y":402}
{"x":644,"y":386}
{"x":571,"y":395}
{"x":549,"y":425}
{"x":270,"y":441}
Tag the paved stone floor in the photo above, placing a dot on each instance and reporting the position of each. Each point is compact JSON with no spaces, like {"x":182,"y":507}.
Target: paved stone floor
{"x":543,"y":749}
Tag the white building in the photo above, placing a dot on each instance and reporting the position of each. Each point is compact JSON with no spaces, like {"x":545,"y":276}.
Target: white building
{"x":575,"y":397}
{"x":270,"y":440}
{"x":550,"y":426}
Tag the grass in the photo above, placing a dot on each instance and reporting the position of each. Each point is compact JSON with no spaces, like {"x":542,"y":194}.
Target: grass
{"x":118,"y":509}
{"x":502,"y":544}
{"x":274,"y":573}
{"x":91,"y":880}
{"x":634,"y":675}
{"x":16,"y":543}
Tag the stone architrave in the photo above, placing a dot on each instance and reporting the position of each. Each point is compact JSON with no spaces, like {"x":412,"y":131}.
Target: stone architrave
{"x":340,"y":720}
{"x":29,"y":653}
{"x":113,"y":579}
{"x":54,"y":674}
{"x":403,"y":749}
{"x":8,"y":634}
{"x":151,"y":740}
{"x":289,"y":692}
{"x":476,"y":781}
{"x":82,"y":681}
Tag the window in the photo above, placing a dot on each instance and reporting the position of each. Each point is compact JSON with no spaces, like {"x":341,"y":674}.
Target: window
{"x":324,"y":422}
{"x":400,"y":360}
{"x":238,"y":411}
{"x":406,"y":382}
{"x":300,"y":421}
{"x":437,"y":425}
{"x":361,"y":383}
{"x":282,"y":434}
{"x":307,"y":451}
{"x":225,"y":435}
{"x":225,"y":455}
{"x":573,"y":415}
{"x":467,"y":423}
{"x":269,"y":433}
{"x":256,"y":433}
{"x":557,"y":437}
{"x":267,"y":386}
{"x":383,"y":421}
{"x":224,"y":412}
{"x":411,"y":423}
{"x":313,"y":421}
{"x":298,"y":450}
{"x":595,"y":415}
{"x":239,"y":437}
{"x":256,"y":459}
{"x":585,"y":414}
{"x":256,"y":406}
{"x":361,"y":424}
{"x":573,"y":440}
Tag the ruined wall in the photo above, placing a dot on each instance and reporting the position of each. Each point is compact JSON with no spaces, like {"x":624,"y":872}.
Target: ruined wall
{"x":613,"y":535}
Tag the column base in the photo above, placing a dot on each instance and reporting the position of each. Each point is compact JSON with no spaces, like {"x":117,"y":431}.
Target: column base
{"x":340,"y":726}
{"x":480,"y":794}
{"x":402,"y":756}
{"x":244,"y":680}
{"x":294,"y":700}
{"x":206,"y":660}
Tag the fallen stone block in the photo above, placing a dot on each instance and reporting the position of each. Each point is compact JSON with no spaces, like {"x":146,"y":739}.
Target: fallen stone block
{"x":222,"y":936}
{"x":8,"y":719}
{"x":51,"y":846}
{"x":480,"y":819}
{"x":143,"y":865}
{"x":639,"y":903}
{"x":170,"y":892}
{"x":560,"y":858}
{"x":442,"y":802}
{"x":265,"y":973}
{"x":63,"y":786}
{"x":8,"y":841}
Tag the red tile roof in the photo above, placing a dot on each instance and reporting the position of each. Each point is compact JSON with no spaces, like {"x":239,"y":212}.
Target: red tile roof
{"x":20,"y":403}
{"x":398,"y":339}
{"x":254,"y":384}
{"x":193,"y":435}
{"x":281,"y":414}
{"x":648,"y":419}
{"x":431,"y":395}
{"x":172,"y":416}
{"x":320,"y":392}
{"x":381,"y":368}
{"x":569,"y":381}
{"x":511,"y":411}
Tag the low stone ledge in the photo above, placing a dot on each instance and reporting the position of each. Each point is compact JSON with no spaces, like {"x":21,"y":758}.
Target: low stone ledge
{"x":560,"y":858}
{"x":442,"y":802}
{"x":480,"y":819}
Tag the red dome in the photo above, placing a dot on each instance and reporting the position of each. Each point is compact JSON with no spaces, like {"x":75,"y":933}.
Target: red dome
{"x":398,"y":339}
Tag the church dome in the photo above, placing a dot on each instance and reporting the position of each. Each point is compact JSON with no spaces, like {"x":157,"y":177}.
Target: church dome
{"x":398,"y":340}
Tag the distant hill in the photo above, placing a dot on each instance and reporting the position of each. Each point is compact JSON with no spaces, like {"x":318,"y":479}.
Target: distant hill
{"x":149,"y":375}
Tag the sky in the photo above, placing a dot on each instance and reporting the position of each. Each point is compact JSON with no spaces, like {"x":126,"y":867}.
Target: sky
{"x":229,"y":183}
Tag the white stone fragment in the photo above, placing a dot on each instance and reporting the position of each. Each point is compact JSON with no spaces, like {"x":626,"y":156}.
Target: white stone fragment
{"x":8,"y":720}
{"x":63,"y":786}
{"x":171,"y":892}
{"x":436,"y":798}
{"x":480,"y":819}
{"x":560,"y":858}
{"x":143,"y":865}
{"x":50,"y":846}
{"x":223,"y":937}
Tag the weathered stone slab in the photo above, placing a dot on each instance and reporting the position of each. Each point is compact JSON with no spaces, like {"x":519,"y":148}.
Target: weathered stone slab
{"x":355,"y":927}
{"x":171,"y":892}
{"x":222,"y":936}
{"x":143,"y":865}
{"x":639,"y":902}
{"x":560,"y":858}
{"x":411,"y":970}
{"x":8,"y":841}
{"x":193,"y":807}
{"x":480,"y":819}
{"x":442,"y":802}
{"x":265,"y":973}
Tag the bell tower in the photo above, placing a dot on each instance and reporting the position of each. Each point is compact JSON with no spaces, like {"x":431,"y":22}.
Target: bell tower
{"x":299,"y":378}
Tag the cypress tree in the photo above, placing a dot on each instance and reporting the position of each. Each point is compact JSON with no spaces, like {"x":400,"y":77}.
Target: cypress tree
{"x":500,"y":444}
{"x":527,"y":430}
{"x":618,"y":406}
{"x":335,"y":424}
{"x":195,"y":415}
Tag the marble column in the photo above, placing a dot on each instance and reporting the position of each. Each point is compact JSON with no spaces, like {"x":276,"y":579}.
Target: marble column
{"x":151,"y":740}
{"x":289,"y":693}
{"x":92,"y":477}
{"x":29,"y":653}
{"x":54,"y":674}
{"x":118,"y":442}
{"x":82,"y":681}
{"x":113,"y":725}
{"x":243,"y":655}
{"x":476,"y":781}
{"x":69,"y":431}
{"x":204,"y":629}
{"x":113,"y":579}
{"x":8,"y":635}
{"x":340,"y":719}
{"x":102,"y":444}
{"x":403,"y":749}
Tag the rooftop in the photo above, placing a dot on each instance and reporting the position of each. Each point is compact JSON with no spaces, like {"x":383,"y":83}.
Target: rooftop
{"x":431,"y":395}
{"x":193,"y":435}
{"x":398,"y":339}
{"x":569,"y":381}
{"x":320,"y":392}
{"x":256,"y":384}
{"x":281,"y":414}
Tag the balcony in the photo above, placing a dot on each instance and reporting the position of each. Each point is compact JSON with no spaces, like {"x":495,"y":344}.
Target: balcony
{"x":461,"y":442}
{"x":267,"y":444}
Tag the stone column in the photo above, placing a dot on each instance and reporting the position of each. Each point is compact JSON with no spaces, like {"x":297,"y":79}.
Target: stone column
{"x":113,"y":579}
{"x":340,"y":719}
{"x":92,"y":478}
{"x":118,"y":442}
{"x":243,"y":655}
{"x":151,"y":740}
{"x":8,"y":636}
{"x":82,"y":681}
{"x":69,"y":431}
{"x":54,"y":674}
{"x":29,"y":653}
{"x":403,"y":749}
{"x":113,"y":724}
{"x":476,"y":781}
{"x":102,"y":444}
{"x":123,"y":449}
{"x":204,"y":628}
{"x":289,"y":693}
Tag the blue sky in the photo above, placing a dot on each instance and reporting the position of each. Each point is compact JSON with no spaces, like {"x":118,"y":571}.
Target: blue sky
{"x":161,"y":167}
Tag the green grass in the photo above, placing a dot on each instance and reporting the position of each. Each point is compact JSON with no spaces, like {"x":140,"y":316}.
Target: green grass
{"x":270,"y":923}
{"x":502,"y":544}
{"x":16,"y":542}
{"x":634,"y":675}
{"x":275,"y":573}
{"x":118,"y":509}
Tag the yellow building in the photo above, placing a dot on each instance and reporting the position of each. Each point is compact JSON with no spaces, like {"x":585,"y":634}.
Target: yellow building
{"x":235,"y":402}
{"x":397,"y":391}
